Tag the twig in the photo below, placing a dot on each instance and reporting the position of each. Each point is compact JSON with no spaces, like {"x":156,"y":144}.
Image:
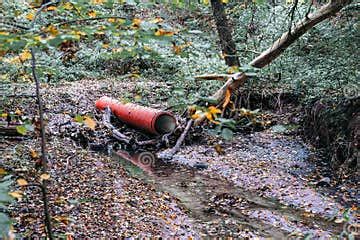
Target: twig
{"x":220,"y":77}
{"x":181,"y":139}
{"x":44,"y":161}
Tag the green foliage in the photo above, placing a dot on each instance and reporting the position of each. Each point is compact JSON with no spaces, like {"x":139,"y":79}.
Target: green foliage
{"x":5,"y":200}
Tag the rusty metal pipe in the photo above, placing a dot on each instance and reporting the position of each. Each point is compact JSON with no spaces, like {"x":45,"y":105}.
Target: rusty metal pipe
{"x":149,"y":119}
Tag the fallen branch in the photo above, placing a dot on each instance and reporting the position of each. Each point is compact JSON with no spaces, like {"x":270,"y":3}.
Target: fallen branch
{"x":238,"y":79}
{"x":180,"y":140}
{"x":120,"y":136}
{"x":115,"y":133}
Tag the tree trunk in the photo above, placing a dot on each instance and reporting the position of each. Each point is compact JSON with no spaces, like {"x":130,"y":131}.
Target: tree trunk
{"x":280,"y":45}
{"x":228,"y":46}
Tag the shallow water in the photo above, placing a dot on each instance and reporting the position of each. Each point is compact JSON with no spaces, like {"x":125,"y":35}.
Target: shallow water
{"x":227,"y":198}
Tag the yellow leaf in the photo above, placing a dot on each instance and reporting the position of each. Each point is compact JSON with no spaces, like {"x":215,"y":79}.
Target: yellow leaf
{"x":2,"y":171}
{"x":227,"y":98}
{"x":147,"y":48}
{"x":52,"y":30}
{"x":121,"y":21}
{"x":34,"y":154}
{"x":225,"y":1}
{"x":97,"y":1}
{"x":4,"y":33}
{"x":25,"y":55}
{"x":51,"y":8}
{"x":111,"y":20}
{"x":68,"y":6}
{"x":63,"y":219}
{"x":206,"y":2}
{"x":233,"y":69}
{"x":30,"y":16}
{"x":4,"y":115}
{"x":45,"y":176}
{"x":177,"y":49}
{"x":209,"y":116}
{"x":22,"y":182}
{"x":18,"y":112}
{"x":157,"y":20}
{"x":162,"y":32}
{"x":92,"y":13}
{"x":213,"y":110}
{"x":90,"y":123}
{"x":195,"y":116}
{"x":137,"y":97}
{"x":16,"y":194}
{"x":105,"y":45}
{"x":136,"y":22}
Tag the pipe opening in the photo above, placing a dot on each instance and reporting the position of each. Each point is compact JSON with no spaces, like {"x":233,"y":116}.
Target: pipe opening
{"x":165,"y":123}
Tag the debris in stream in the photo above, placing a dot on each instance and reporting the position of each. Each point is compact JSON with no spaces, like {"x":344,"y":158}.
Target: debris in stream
{"x":152,"y":120}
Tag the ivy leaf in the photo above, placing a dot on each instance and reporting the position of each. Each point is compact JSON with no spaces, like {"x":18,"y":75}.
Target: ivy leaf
{"x":21,"y":129}
{"x":227,"y":133}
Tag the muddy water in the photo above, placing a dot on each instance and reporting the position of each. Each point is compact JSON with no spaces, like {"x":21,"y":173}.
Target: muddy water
{"x":225,"y":198}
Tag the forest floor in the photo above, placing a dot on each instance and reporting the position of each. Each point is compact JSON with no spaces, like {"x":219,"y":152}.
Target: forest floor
{"x":259,"y":184}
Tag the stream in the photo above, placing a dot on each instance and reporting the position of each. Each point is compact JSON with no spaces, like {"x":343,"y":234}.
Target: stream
{"x":225,"y":195}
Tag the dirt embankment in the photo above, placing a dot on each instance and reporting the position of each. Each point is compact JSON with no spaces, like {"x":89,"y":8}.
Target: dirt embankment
{"x":335,"y":127}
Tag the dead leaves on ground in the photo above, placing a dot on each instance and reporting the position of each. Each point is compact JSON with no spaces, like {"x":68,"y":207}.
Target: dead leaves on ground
{"x":86,"y":120}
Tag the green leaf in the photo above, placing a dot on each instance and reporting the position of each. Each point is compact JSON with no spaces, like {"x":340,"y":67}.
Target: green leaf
{"x":227,"y":133}
{"x":21,"y":129}
{"x":78,"y":118}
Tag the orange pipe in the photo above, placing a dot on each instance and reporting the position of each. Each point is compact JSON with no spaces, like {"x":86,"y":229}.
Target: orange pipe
{"x":151,"y":120}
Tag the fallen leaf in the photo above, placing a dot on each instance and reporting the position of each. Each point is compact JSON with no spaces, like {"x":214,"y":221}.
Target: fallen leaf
{"x":219,"y":149}
{"x":227,"y":98}
{"x":34,"y":154}
{"x":136,"y":22}
{"x":68,"y":6}
{"x":97,"y":1}
{"x":92,"y":13}
{"x":25,"y":55}
{"x":52,"y":30}
{"x":45,"y":176}
{"x":22,"y":182}
{"x":30,"y":16}
{"x":195,"y":116}
{"x":51,"y":8}
{"x":162,"y":32}
{"x":88,"y":121}
{"x":213,"y":110}
{"x":2,"y":171}
{"x":16,"y":194}
{"x":62,"y":219}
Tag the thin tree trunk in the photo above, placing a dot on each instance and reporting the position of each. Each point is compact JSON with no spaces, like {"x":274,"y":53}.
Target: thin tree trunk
{"x":228,"y":46}
{"x":283,"y":43}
